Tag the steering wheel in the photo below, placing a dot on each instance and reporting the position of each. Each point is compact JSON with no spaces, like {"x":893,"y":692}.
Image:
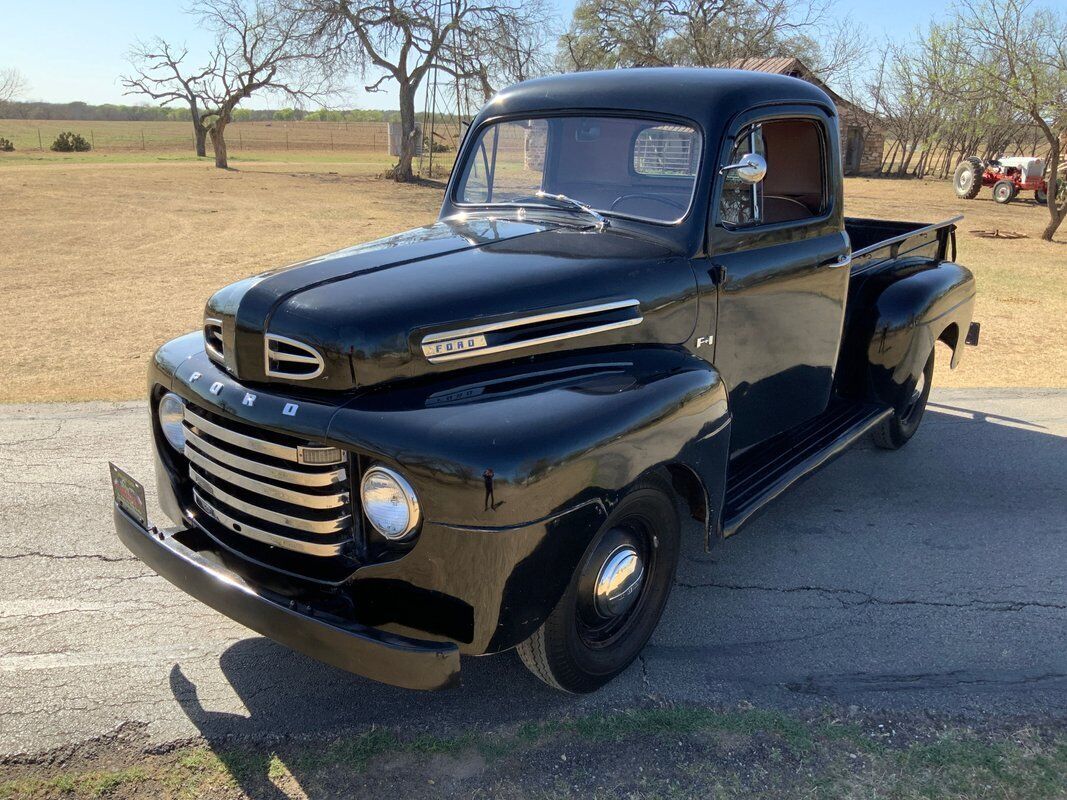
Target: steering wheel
{"x":645,"y":196}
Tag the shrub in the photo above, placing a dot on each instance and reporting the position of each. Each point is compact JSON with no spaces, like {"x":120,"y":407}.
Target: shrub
{"x":6,"y":145}
{"x":68,"y":142}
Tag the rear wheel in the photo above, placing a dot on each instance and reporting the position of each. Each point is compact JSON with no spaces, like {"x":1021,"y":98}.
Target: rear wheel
{"x":895,"y":431}
{"x":967,"y":179}
{"x":615,"y":598}
{"x":1041,"y":196}
{"x":1003,"y":191}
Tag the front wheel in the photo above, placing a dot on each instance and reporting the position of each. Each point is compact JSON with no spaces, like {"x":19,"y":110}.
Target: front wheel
{"x":895,"y":431}
{"x":1003,"y":191}
{"x":615,"y":598}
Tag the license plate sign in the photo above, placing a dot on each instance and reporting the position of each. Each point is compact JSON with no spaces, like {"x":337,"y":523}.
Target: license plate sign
{"x":129,"y":495}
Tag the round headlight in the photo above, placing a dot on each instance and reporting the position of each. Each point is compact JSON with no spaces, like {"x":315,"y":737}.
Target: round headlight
{"x":389,"y":503}
{"x":171,"y":415}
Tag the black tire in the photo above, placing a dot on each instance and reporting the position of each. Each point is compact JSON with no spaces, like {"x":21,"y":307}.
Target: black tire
{"x":570,"y":653}
{"x":1003,"y":191}
{"x":895,"y":431}
{"x":1041,"y":197}
{"x":967,"y":180}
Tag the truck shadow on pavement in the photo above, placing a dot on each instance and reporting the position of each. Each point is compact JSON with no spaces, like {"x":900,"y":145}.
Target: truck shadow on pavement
{"x":925,"y":579}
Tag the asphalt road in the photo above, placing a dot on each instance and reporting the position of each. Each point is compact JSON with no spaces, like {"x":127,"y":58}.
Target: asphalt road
{"x":931,"y":578}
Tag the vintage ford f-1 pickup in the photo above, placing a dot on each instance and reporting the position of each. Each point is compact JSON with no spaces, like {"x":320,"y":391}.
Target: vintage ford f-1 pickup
{"x":642,"y":302}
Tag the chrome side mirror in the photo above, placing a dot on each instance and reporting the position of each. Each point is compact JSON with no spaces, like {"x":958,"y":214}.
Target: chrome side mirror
{"x":752,"y":168}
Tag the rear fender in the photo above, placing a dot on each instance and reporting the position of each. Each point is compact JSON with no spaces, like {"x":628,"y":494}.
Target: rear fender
{"x":913,"y":308}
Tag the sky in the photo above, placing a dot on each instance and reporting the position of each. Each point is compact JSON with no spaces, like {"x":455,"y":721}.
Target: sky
{"x":76,"y":50}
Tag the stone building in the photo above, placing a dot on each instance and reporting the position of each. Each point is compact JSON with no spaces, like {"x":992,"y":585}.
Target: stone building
{"x":862,"y":136}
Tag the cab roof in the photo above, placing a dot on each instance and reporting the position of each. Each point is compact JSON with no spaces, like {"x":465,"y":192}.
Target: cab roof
{"x":710,"y":97}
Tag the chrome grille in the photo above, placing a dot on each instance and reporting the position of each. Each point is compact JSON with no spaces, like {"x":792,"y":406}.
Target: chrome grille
{"x":271,"y":488}
{"x":213,"y":339}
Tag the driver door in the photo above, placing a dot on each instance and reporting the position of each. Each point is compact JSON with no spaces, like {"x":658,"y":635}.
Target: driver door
{"x":781,"y":256}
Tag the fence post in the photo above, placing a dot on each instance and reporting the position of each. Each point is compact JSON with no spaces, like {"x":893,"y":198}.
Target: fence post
{"x":40,"y":144}
{"x":331,"y":140}
{"x":240,"y":139}
{"x":142,"y":139}
{"x":92,"y":138}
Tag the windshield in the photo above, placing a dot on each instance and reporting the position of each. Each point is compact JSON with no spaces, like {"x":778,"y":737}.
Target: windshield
{"x":624,"y":167}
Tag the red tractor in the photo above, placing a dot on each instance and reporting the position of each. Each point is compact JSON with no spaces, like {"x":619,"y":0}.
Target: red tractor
{"x":1007,"y":176}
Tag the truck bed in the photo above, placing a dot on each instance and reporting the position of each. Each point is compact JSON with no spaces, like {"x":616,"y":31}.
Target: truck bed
{"x":876,"y":241}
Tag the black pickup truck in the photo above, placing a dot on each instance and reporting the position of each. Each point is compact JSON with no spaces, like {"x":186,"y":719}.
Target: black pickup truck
{"x":641,"y":302}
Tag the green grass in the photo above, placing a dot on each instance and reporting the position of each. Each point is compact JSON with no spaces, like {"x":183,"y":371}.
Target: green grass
{"x":669,"y":752}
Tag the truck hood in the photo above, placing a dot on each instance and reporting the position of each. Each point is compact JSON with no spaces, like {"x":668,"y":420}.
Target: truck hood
{"x":455,"y":294}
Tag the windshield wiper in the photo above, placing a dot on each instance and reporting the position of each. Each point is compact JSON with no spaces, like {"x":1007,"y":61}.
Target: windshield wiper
{"x":577,"y":205}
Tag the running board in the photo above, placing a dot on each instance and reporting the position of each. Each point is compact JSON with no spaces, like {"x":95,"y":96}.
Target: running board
{"x":761,"y":474}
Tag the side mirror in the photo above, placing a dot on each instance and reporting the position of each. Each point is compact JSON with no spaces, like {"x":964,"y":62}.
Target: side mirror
{"x":752,"y":168}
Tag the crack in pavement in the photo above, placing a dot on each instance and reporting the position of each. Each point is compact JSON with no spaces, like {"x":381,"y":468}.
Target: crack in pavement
{"x":870,"y":599}
{"x":66,"y":556}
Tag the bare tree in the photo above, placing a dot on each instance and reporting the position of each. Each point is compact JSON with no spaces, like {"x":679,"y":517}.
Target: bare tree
{"x":13,"y":85}
{"x":261,"y":46}
{"x":159,"y":73}
{"x":406,"y":39}
{"x":1016,"y":51}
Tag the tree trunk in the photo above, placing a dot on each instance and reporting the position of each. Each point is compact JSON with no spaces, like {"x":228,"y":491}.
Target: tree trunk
{"x":402,"y":172}
{"x":218,"y":144}
{"x":200,"y":137}
{"x":1056,"y":211}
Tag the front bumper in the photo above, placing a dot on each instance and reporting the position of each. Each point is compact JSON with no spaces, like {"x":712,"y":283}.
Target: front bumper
{"x":367,"y":651}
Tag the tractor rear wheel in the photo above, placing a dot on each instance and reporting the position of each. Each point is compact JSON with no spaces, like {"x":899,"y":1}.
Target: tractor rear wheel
{"x":967,"y":179}
{"x":1003,"y":191}
{"x":1041,"y":196}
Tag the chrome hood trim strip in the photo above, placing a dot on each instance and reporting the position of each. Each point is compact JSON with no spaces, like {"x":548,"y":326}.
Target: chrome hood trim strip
{"x":473,"y":343}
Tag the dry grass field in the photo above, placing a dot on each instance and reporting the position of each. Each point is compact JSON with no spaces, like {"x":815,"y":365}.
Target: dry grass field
{"x":100,"y":262}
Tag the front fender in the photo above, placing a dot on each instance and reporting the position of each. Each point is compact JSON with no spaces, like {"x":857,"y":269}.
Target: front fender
{"x":564,"y":439}
{"x":548,"y":435}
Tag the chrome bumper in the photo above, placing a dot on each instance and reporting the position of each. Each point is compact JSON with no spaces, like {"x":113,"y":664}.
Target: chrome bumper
{"x":375,"y":654}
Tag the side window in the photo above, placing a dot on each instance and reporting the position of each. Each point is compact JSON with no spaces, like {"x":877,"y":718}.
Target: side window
{"x":796,"y":185}
{"x":740,"y":202}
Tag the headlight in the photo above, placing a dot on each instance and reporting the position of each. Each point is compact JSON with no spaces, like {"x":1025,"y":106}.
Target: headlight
{"x":389,"y":503}
{"x":171,"y":415}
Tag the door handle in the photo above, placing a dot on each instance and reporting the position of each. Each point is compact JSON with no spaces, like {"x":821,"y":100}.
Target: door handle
{"x":839,"y":262}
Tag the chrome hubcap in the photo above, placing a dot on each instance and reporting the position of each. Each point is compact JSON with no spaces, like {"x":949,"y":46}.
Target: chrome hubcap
{"x":618,"y":583}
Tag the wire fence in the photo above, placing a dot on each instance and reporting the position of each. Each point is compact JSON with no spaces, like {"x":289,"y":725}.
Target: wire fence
{"x":125,"y":137}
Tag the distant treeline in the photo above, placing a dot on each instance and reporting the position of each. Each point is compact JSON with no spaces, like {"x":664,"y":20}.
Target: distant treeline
{"x":144,"y":113}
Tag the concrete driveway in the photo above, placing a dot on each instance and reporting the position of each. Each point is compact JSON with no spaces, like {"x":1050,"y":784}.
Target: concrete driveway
{"x":931,"y":578}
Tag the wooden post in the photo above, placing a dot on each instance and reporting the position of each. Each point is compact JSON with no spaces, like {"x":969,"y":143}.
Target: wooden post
{"x":331,"y":140}
{"x":92,"y":138}
{"x":142,"y":139}
{"x":240,"y":139}
{"x":40,"y":144}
